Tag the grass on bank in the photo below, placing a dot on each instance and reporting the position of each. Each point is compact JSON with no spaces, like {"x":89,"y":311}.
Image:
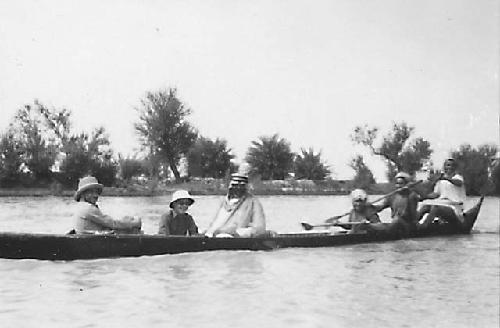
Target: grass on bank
{"x":205,"y":187}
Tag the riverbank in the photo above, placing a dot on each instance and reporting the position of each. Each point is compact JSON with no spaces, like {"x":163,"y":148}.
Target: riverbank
{"x":212,"y":187}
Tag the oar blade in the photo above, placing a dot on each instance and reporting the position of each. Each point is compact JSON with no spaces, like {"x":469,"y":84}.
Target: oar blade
{"x":307,"y":226}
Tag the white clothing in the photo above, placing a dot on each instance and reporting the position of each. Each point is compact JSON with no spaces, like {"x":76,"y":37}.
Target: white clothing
{"x":222,"y":218}
{"x":450,"y":195}
{"x":448,"y":190}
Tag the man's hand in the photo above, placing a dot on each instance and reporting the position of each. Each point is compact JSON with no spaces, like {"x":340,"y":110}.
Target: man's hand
{"x":333,"y":219}
{"x":134,"y":221}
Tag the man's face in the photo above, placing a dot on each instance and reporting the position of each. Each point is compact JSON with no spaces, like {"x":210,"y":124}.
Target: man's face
{"x":181,"y":206}
{"x":448,"y":167}
{"x":91,"y":196}
{"x":358,"y":204}
{"x":400,"y":182}
{"x":237,"y":189}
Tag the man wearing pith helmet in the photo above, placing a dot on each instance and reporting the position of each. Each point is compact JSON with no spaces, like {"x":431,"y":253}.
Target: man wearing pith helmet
{"x":90,"y":219}
{"x":240,"y":213}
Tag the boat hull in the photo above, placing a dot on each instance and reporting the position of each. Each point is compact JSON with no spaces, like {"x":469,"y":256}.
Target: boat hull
{"x":74,"y":247}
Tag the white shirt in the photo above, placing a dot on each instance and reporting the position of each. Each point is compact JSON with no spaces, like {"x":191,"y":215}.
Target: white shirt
{"x":450,"y":195}
{"x":449,"y":191}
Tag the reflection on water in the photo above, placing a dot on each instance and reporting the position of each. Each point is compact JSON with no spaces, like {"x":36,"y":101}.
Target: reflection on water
{"x":434,"y":282}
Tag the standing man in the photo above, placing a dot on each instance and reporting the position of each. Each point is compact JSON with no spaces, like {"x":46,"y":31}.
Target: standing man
{"x":240,"y":213}
{"x":447,"y":199}
{"x":90,"y":219}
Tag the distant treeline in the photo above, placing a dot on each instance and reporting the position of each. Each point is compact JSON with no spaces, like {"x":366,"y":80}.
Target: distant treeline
{"x":40,"y":149}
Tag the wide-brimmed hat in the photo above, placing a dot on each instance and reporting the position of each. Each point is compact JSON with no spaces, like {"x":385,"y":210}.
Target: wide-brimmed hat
{"x":359,"y":194}
{"x":403,"y":175}
{"x":181,"y":194}
{"x":87,"y":183}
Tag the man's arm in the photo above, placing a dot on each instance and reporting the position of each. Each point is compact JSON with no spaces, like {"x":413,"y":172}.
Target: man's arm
{"x":163,"y":229}
{"x":259,"y":218}
{"x":257,"y":224}
{"x":210,"y":230}
{"x":435,"y":193}
{"x":372,"y":215}
{"x":192,"y":228}
{"x":418,"y":195}
{"x":96,"y":216}
{"x":383,"y":206}
{"x":456,"y":180}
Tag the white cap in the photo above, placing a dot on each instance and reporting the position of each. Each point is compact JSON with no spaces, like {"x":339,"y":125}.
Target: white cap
{"x":359,"y":194}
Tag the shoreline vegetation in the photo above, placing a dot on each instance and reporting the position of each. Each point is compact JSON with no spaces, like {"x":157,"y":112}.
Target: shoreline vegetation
{"x":204,"y":187}
{"x":40,"y":155}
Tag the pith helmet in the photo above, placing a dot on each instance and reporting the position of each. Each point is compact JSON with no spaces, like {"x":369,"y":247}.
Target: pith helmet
{"x":181,"y":194}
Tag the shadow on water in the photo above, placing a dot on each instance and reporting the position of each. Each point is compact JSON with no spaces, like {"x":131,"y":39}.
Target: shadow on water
{"x":88,"y":274}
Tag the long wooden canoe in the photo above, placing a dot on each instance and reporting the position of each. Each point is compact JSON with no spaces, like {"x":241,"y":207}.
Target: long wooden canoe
{"x":74,"y":247}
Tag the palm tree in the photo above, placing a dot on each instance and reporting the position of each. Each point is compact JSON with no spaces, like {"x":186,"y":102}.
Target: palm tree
{"x":270,"y":157}
{"x":309,"y":165}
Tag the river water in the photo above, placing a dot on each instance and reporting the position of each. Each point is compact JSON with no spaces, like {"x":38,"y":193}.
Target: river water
{"x":434,"y":282}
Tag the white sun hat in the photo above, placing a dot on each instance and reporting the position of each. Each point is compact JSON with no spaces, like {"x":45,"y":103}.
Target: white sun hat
{"x":181,"y":194}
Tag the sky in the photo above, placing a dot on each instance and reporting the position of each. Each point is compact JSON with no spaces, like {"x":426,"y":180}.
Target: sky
{"x":310,"y":71}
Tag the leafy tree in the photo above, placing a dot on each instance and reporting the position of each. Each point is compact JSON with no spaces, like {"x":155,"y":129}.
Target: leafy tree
{"x":399,"y":151}
{"x":130,"y":167}
{"x":495,"y":176}
{"x":38,"y":152}
{"x":10,"y":160}
{"x":77,"y":161}
{"x":309,"y":165}
{"x":209,"y":158}
{"x":38,"y":135}
{"x":270,"y":157}
{"x":163,"y":128}
{"x":89,"y":155}
{"x":57,"y":122}
{"x":474,"y":163}
{"x":364,"y":176}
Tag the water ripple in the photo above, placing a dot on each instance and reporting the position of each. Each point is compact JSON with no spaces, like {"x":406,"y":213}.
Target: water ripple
{"x":433,"y":282}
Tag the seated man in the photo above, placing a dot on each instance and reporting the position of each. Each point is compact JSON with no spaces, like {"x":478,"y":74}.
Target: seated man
{"x":240,"y":213}
{"x":177,"y":221}
{"x":362,"y":212}
{"x":90,"y":219}
{"x":403,"y":205}
{"x":447,"y":199}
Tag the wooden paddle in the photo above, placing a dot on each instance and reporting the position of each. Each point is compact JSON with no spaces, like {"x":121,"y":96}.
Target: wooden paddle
{"x":333,"y":220}
{"x":308,"y":226}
